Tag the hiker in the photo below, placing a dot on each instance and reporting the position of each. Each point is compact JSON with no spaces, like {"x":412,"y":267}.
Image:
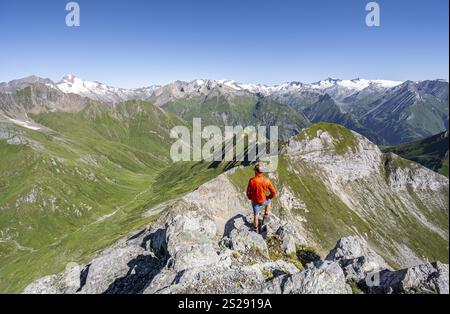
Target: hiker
{"x":257,"y":189}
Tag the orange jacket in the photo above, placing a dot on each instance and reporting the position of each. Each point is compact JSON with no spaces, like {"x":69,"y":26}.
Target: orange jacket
{"x":257,"y":189}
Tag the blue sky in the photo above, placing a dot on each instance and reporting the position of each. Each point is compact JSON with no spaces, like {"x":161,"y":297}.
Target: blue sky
{"x":134,"y":43}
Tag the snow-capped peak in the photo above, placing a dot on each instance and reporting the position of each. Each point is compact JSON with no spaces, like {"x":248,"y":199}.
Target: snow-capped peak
{"x":68,"y":78}
{"x":99,"y":91}
{"x":355,"y":84}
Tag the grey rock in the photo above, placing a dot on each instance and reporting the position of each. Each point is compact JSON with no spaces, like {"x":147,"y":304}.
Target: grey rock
{"x":356,"y":258}
{"x":112,"y":264}
{"x":288,"y":240}
{"x":190,"y":239}
{"x":216,"y":280}
{"x":327,"y":278}
{"x":44,"y":285}
{"x":194,"y":256}
{"x":442,"y":281}
{"x":243,"y":239}
{"x":425,"y":278}
{"x":65,"y":283}
{"x":70,"y":281}
{"x":17,"y":140}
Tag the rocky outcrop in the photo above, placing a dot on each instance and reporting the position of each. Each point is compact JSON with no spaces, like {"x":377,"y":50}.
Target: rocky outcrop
{"x":326,"y":278}
{"x":425,"y":278}
{"x":320,"y":148}
{"x":413,"y":175}
{"x":189,"y":241}
{"x":356,"y":258}
{"x":243,"y":239}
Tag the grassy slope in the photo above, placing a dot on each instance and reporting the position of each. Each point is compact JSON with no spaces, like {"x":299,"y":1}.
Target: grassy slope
{"x":242,"y":110}
{"x":344,"y":138}
{"x":326,"y":110}
{"x":425,"y":119}
{"x":431,"y":152}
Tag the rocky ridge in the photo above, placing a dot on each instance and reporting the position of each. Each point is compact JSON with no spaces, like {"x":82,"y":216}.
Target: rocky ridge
{"x":197,"y":246}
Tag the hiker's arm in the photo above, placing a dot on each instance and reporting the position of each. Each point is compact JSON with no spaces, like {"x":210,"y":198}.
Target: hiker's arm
{"x":273,"y":192}
{"x":248,"y":189}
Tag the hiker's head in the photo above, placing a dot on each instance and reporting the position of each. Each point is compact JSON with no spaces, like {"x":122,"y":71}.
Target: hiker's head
{"x":258,"y":168}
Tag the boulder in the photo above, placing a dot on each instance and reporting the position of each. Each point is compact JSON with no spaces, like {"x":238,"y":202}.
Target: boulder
{"x":326,"y":278}
{"x":356,"y":258}
{"x":44,"y":285}
{"x":190,"y":239}
{"x":243,"y":239}
{"x":288,"y":240}
{"x":425,"y":278}
{"x":111,"y":265}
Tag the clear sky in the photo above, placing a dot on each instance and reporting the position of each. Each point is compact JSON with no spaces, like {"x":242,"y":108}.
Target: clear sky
{"x":132,"y":43}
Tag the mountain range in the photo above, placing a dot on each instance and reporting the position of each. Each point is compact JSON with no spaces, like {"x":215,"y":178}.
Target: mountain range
{"x":84,"y":165}
{"x":387,"y":112}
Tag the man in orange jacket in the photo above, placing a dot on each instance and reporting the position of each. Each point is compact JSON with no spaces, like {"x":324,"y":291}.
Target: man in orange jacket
{"x":257,"y":189}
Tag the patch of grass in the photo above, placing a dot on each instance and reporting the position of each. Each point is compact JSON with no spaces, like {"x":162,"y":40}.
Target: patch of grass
{"x":241,"y":177}
{"x":344,"y":139}
{"x":306,"y":254}
{"x":355,"y":287}
{"x":401,"y":163}
{"x":294,"y":259}
{"x":276,"y":252}
{"x":274,"y":246}
{"x":268,"y":274}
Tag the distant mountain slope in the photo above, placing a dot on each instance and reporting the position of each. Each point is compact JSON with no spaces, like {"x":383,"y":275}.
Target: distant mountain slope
{"x":218,"y":104}
{"x":394,"y":112}
{"x":431,"y":152}
{"x":327,"y":110}
{"x":408,"y":112}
